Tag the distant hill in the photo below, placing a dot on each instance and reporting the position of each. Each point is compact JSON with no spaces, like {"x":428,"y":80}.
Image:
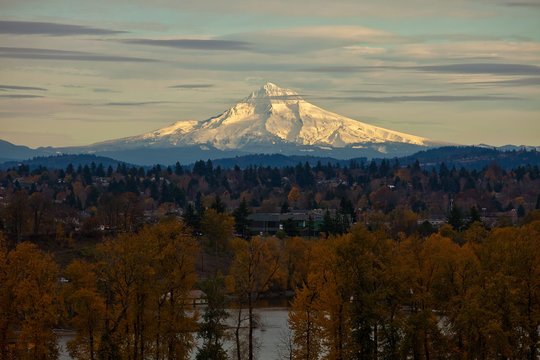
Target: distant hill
{"x":472,"y":157}
{"x":469,"y":157}
{"x":276,"y":160}
{"x":62,"y":161}
{"x":11,"y":152}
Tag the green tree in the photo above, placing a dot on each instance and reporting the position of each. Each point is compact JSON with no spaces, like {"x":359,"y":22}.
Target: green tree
{"x":212,"y":329}
{"x":455,"y":219}
{"x":241,"y":221}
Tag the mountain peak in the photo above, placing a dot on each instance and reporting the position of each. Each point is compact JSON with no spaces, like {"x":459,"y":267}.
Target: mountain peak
{"x":275,"y":118}
{"x":272,"y":91}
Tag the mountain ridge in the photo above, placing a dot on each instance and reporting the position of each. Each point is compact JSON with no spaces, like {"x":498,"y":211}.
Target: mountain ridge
{"x":270,"y":120}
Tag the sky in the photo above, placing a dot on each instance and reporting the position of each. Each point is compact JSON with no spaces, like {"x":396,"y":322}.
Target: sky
{"x":77,"y":72}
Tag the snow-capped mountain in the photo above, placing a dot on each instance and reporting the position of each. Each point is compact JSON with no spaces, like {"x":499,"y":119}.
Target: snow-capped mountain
{"x":266,"y":120}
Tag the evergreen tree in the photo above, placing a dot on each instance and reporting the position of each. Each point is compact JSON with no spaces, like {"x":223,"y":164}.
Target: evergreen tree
{"x":289,"y":226}
{"x":310,"y":226}
{"x":212,"y":329}
{"x":328,"y":225}
{"x":218,"y":205}
{"x":474,"y":215}
{"x":192,"y":218}
{"x":241,"y":221}
{"x":520,"y":211}
{"x":178,"y":170}
{"x":455,"y":219}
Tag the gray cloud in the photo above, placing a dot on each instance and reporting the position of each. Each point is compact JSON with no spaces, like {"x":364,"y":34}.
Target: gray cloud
{"x":14,"y":87}
{"x":51,"y":54}
{"x":466,"y":68}
{"x":344,"y":69}
{"x":529,"y":81}
{"x":365,"y":91}
{"x":467,"y":37}
{"x":141,"y":103}
{"x":193,"y":44}
{"x":100,"y":90}
{"x":192,"y":86}
{"x":20,"y":96}
{"x":523,"y":4}
{"x":424,"y":98}
{"x":486,"y":68}
{"x":47,"y":28}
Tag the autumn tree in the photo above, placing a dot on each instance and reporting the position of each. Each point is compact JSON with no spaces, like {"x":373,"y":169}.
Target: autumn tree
{"x":304,"y":322}
{"x":217,"y":229}
{"x":321,"y":314}
{"x":86,"y":308}
{"x":7,"y":313}
{"x":368,"y":260}
{"x":426,"y":259}
{"x":255,"y":265}
{"x":147,"y":278}
{"x":29,"y":303}
{"x":17,"y":215}
{"x":296,"y":260}
{"x":41,"y":209}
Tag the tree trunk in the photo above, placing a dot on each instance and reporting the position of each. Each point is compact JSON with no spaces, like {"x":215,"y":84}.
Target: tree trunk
{"x":426,"y":345}
{"x":91,"y":345}
{"x":250,"y":336}
{"x":237,"y":335}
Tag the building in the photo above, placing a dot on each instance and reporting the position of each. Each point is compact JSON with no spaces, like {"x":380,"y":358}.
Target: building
{"x":270,"y":223}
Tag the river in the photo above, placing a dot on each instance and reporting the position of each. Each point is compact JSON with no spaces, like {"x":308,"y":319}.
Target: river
{"x":270,"y":333}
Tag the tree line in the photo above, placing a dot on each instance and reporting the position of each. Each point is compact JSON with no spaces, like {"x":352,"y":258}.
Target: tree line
{"x":85,"y":201}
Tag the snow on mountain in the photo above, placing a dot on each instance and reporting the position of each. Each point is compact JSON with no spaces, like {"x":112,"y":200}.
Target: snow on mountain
{"x":271,"y":116}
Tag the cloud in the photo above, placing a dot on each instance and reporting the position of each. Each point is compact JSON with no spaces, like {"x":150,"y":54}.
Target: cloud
{"x":528,"y":81}
{"x":344,"y":69}
{"x":487,"y":68}
{"x":351,"y":33}
{"x":14,"y":87}
{"x":466,"y":68}
{"x":99,"y":90}
{"x":318,"y":8}
{"x":464,"y":51}
{"x":20,"y":96}
{"x":523,"y":4}
{"x":365,"y":50}
{"x":48,"y":28}
{"x":315,"y":38}
{"x":424,"y":98}
{"x":192,"y":86}
{"x":193,"y":44}
{"x":141,"y":103}
{"x":51,"y":54}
